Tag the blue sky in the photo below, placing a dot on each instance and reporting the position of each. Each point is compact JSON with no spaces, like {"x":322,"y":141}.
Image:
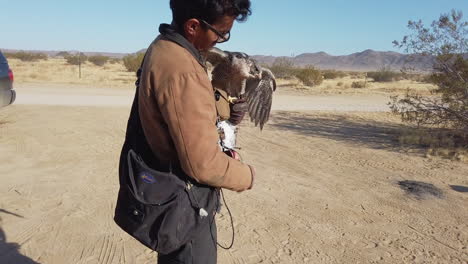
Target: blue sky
{"x":276,"y":27}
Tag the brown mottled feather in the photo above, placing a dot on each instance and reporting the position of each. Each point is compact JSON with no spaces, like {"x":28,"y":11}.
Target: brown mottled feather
{"x":229,"y":70}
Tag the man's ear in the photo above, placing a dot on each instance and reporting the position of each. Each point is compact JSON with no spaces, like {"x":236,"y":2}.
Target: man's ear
{"x":191,"y":27}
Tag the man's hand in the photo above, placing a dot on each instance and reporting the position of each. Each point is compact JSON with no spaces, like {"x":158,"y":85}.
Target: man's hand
{"x":238,"y":110}
{"x":252,"y":170}
{"x":233,"y":154}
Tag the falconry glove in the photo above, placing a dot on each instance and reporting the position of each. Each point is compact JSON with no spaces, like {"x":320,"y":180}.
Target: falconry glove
{"x":238,"y":110}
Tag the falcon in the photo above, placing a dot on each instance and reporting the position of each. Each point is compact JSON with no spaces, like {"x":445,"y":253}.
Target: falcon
{"x":241,"y":77}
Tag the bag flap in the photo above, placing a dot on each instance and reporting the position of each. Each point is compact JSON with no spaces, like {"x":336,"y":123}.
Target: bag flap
{"x":150,"y":186}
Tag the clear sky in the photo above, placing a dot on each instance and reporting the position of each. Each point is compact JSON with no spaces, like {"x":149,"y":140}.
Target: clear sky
{"x":276,"y":27}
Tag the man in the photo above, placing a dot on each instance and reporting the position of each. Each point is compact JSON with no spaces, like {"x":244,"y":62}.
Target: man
{"x":177,"y":107}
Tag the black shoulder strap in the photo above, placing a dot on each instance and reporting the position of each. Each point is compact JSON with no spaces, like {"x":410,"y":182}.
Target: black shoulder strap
{"x":135,"y":137}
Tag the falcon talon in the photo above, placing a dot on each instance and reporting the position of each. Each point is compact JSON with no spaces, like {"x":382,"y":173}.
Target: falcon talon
{"x":231,"y":99}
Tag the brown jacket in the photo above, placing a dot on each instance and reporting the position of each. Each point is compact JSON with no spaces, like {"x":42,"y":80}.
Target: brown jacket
{"x":178,"y":115}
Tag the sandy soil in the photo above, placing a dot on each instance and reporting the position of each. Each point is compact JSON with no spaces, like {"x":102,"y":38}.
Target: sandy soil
{"x":326,"y":190}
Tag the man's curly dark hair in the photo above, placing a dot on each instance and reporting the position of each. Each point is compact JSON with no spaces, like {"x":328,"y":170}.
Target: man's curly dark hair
{"x":209,"y":10}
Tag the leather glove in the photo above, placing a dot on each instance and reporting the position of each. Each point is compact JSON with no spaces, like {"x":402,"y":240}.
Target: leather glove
{"x":238,"y":110}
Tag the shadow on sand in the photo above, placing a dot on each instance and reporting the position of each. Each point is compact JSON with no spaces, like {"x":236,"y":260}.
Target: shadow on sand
{"x":459,"y":188}
{"x":9,"y":252}
{"x":377,"y":135}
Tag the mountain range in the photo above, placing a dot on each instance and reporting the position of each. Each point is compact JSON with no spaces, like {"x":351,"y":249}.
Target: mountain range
{"x":367,"y":60}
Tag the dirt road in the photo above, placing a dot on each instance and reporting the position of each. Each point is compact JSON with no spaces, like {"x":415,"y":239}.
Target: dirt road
{"x":87,"y":96}
{"x":326,"y":190}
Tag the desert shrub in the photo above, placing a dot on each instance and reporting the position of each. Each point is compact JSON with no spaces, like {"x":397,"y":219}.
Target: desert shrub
{"x":62,"y":54}
{"x":418,"y":77}
{"x":283,"y":68}
{"x":439,"y":142}
{"x":132,"y":62}
{"x":76,"y":59}
{"x":449,"y":107}
{"x":384,"y":75}
{"x":309,"y":76}
{"x":332,"y":74}
{"x":339,"y":84}
{"x":355,"y":75}
{"x":114,"y":60}
{"x":433,"y":138}
{"x":358,"y":84}
{"x":98,"y":60}
{"x":425,"y":79}
{"x":27,"y":56}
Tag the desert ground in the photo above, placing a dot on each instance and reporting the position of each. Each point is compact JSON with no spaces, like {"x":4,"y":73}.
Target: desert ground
{"x":327,"y":190}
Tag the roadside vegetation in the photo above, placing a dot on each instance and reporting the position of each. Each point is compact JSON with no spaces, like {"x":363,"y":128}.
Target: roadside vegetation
{"x":440,"y":119}
{"x":77,"y":59}
{"x":311,"y":80}
{"x":385,"y":74}
{"x":98,"y":60}
{"x":132,"y":62}
{"x":59,"y":70}
{"x":26,"y":56}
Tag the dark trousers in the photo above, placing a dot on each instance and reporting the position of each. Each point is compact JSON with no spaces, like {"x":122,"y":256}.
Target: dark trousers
{"x":200,"y":250}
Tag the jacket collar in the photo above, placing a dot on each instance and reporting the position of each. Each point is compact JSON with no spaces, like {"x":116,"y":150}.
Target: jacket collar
{"x":169,"y":32}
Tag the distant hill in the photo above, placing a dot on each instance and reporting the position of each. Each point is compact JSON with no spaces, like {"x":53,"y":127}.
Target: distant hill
{"x":53,"y":53}
{"x":367,"y":60}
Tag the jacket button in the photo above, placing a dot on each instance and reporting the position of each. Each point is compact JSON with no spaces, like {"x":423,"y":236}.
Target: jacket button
{"x":135,"y":212}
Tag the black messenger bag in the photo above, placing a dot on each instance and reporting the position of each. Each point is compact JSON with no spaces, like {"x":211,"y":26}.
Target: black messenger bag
{"x":161,"y":209}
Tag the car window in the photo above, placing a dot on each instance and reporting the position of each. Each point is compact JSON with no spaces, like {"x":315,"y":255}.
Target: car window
{"x":2,"y":58}
{"x":3,"y":66}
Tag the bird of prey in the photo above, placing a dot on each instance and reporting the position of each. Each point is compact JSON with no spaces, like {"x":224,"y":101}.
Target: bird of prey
{"x":241,"y":77}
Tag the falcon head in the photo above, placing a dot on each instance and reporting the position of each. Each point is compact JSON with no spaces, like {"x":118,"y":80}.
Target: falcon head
{"x":232,"y":65}
{"x":243,"y":64}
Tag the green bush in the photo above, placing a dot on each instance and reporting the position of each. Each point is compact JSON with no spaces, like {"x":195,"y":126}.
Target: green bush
{"x":133,"y":61}
{"x":384,"y":75}
{"x":283,"y":68}
{"x":358,"y":84}
{"x":114,"y":60}
{"x":98,"y":60}
{"x":309,"y":76}
{"x":27,"y":56}
{"x":332,"y":74}
{"x":62,"y":54}
{"x":76,"y":59}
{"x":417,"y":77}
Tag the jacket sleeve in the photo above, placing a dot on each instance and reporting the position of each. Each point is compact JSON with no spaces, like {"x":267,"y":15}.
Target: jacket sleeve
{"x":187,"y":105}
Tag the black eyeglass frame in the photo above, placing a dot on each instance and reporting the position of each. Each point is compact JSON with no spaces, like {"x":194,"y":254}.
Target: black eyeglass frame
{"x":221,"y":37}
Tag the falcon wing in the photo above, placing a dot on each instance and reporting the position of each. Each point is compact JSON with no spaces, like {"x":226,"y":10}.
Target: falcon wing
{"x":259,"y":94}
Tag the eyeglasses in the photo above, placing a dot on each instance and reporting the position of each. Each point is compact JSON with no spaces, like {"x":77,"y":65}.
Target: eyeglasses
{"x":222,"y":37}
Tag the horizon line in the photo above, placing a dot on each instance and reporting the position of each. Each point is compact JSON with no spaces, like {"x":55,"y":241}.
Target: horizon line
{"x":127,"y":53}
